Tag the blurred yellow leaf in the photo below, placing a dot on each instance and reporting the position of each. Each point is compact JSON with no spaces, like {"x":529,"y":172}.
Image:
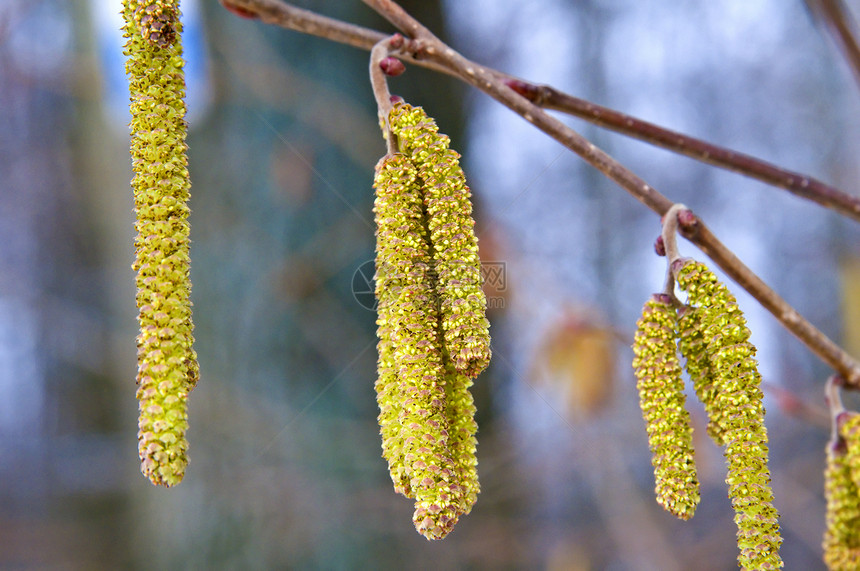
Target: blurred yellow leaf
{"x":577,"y":357}
{"x":568,"y":556}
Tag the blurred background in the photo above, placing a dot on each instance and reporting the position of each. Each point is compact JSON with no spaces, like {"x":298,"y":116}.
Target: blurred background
{"x":285,"y":466}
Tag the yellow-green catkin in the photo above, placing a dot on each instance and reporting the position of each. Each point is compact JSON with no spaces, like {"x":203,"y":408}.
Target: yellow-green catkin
{"x":849,"y":429}
{"x":842,"y":533}
{"x":662,"y":399}
{"x":698,"y":365}
{"x":401,"y":259}
{"x":461,"y":433}
{"x":739,"y":414}
{"x":167,"y":364}
{"x":447,"y":202}
{"x":411,"y":391}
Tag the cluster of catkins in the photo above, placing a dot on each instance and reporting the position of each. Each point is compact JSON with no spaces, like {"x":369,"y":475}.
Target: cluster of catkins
{"x":431,"y":317}
{"x":710,"y":332}
{"x":842,"y":491}
{"x":167,"y":363}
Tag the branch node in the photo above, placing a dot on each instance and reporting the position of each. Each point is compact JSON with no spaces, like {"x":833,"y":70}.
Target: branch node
{"x":687,"y":221}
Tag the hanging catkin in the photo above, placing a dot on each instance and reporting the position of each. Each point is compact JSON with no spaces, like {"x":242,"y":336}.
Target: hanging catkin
{"x":842,"y":532}
{"x":167,"y":364}
{"x":698,"y":365}
{"x":431,"y":322}
{"x":463,"y":304}
{"x":661,"y":398}
{"x":737,"y":411}
{"x":411,"y":388}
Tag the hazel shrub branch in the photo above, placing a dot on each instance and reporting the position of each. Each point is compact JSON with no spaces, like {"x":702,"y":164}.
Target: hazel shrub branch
{"x":433,"y":336}
{"x":282,"y":14}
{"x":426,"y":50}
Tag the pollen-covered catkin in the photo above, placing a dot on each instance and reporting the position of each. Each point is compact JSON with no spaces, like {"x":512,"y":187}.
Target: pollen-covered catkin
{"x":661,"y":397}
{"x":461,"y":433}
{"x":412,"y":382}
{"x":157,"y":21}
{"x":842,"y":533}
{"x":698,"y":365}
{"x":739,"y":413}
{"x":398,"y":262}
{"x":447,"y":202}
{"x":849,"y":429}
{"x":167,"y":363}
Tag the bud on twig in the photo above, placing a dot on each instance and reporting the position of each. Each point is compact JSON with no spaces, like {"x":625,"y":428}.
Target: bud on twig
{"x":660,"y":246}
{"x":392,"y":66}
{"x":239,"y":11}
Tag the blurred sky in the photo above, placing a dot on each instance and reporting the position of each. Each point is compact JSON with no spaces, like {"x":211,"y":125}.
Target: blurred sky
{"x":285,"y":468}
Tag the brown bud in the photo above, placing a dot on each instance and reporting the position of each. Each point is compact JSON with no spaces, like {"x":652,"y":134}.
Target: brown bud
{"x":527,"y":90}
{"x":392,"y":66}
{"x":687,"y":220}
{"x":660,"y":246}
{"x":239,"y":11}
{"x":396,"y":41}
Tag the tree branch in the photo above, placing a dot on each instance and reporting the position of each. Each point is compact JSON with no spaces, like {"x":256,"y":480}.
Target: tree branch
{"x":305,"y":21}
{"x":281,"y":14}
{"x":425,"y":47}
{"x":843,"y":29}
{"x":695,"y":230}
{"x":796,"y":183}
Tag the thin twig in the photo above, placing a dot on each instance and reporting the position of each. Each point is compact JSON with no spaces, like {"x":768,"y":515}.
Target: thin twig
{"x":841,"y":26}
{"x":286,"y":16}
{"x":670,"y":226}
{"x":281,"y":14}
{"x":670,"y":244}
{"x":430,"y":49}
{"x":821,"y":345}
{"x":401,"y":20}
{"x":307,"y":22}
{"x":380,"y":87}
{"x":799,"y":184}
{"x":834,"y":405}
